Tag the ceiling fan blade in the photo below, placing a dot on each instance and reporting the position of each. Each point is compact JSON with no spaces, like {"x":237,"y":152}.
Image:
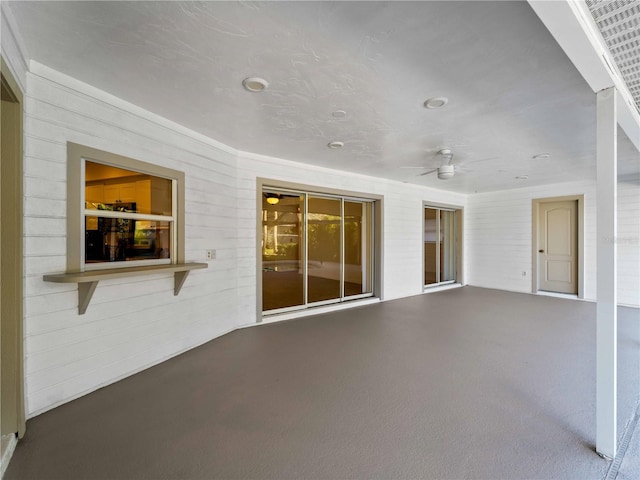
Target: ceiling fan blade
{"x":427,"y":173}
{"x":481,"y":160}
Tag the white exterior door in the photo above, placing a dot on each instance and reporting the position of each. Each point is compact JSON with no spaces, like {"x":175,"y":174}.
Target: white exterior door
{"x":558,"y":246}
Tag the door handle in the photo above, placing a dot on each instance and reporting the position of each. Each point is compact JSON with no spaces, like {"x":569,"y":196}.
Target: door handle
{"x":540,"y":251}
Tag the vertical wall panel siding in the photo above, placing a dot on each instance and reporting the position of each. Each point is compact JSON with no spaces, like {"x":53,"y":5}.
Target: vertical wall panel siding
{"x":134,"y":322}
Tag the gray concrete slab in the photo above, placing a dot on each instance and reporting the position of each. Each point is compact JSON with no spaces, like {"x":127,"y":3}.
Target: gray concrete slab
{"x":465,"y":383}
{"x":630,"y":465}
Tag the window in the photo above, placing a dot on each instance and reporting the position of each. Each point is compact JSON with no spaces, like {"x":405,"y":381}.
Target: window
{"x":317,"y":249}
{"x":122,"y":212}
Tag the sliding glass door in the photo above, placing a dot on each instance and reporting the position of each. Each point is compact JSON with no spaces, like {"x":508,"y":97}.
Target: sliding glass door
{"x":324,"y":227}
{"x":358,"y":248}
{"x":430,"y":246}
{"x":439,"y":246}
{"x":283,"y":265}
{"x":447,"y":244}
{"x":316,"y":249}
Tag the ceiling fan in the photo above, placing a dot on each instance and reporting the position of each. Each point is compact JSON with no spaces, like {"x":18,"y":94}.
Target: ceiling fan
{"x":446,"y":170}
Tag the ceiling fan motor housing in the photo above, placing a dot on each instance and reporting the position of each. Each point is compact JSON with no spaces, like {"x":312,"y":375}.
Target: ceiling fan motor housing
{"x":445,"y":172}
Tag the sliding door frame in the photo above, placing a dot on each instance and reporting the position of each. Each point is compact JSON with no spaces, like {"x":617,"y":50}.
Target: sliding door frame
{"x":306,"y":250}
{"x":311,"y":190}
{"x":458,"y":244}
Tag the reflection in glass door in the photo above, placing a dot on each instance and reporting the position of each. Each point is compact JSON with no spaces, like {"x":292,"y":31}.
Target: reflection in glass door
{"x":324,"y":227}
{"x":439,"y":246}
{"x":447,"y":246}
{"x":316,"y":249}
{"x":282,"y":252}
{"x":430,"y":246}
{"x":357,"y":247}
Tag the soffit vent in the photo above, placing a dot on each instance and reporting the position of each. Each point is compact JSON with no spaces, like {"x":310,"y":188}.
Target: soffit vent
{"x":619,"y":24}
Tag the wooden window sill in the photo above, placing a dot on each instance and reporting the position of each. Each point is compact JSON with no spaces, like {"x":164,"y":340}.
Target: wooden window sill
{"x":88,"y":281}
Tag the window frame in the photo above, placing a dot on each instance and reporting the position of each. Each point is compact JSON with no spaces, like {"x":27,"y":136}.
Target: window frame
{"x":76,"y":212}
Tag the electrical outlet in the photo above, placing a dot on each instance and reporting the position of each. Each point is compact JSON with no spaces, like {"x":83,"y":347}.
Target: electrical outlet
{"x":211,"y":254}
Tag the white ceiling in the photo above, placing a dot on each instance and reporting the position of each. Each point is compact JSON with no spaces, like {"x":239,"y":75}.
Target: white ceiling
{"x":512,"y":91}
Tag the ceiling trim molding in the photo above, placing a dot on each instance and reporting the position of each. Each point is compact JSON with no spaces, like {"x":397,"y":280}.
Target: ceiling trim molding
{"x":572,"y":26}
{"x":83,"y":88}
{"x":12,"y":47}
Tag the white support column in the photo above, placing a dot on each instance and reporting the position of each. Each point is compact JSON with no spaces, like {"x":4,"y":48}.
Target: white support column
{"x":606,"y":316}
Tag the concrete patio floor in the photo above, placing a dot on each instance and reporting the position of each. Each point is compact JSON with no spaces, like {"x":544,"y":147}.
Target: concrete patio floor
{"x":464,"y":383}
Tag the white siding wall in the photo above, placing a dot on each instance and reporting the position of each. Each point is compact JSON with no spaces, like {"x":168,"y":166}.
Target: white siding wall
{"x":137,"y":322}
{"x":402,"y":221}
{"x":499,"y":235}
{"x":130,"y":323}
{"x":499,"y":238}
{"x":629,"y":241}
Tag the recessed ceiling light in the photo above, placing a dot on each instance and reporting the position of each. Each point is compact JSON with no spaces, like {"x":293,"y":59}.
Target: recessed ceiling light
{"x":436,"y":102}
{"x":522,"y":177}
{"x":335,"y":144}
{"x":541,"y":156}
{"x":255,"y":84}
{"x":339,"y":114}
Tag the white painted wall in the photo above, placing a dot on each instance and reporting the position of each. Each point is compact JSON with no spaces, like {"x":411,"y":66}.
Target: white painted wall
{"x":135,"y":322}
{"x":629,"y":241}
{"x":499,"y":238}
